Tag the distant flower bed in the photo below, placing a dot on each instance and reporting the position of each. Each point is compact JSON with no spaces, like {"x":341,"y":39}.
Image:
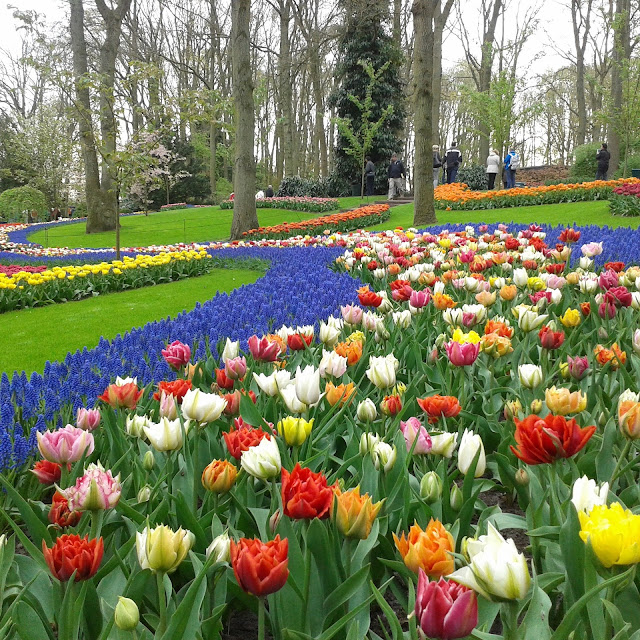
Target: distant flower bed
{"x":458,"y":196}
{"x":311,"y":205}
{"x":37,"y":286}
{"x":625,"y":200}
{"x":356,"y":219}
{"x":181,"y":205}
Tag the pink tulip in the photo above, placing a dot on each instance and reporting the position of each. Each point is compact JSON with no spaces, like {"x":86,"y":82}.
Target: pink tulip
{"x":87,"y":419}
{"x":168,"y":407}
{"x":235,"y":368}
{"x":412,"y":429}
{"x":578,"y":367}
{"x":607,"y":310}
{"x":177,"y":354}
{"x":65,"y":445}
{"x":420,"y":299}
{"x":263,"y":350}
{"x":608,"y":279}
{"x":351,"y":314}
{"x":96,"y":489}
{"x":469,"y":319}
{"x":462,"y":355}
{"x":591,"y":249}
{"x":445,"y":610}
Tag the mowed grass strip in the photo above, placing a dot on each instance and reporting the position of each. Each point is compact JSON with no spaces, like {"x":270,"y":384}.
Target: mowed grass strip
{"x":163,"y":227}
{"x":33,"y":336}
{"x":580,"y":213}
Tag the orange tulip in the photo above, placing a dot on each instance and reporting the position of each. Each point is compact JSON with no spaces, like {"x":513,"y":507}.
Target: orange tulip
{"x":615,"y":355}
{"x":219,"y":476}
{"x":342,"y":393}
{"x":509,"y":292}
{"x":352,"y":351}
{"x":442,"y":301}
{"x":354,"y":513}
{"x":429,"y":550}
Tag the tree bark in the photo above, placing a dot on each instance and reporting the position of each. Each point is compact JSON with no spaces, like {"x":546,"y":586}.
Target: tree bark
{"x":423,"y":11}
{"x":440,"y":18}
{"x":244,"y":174}
{"x":581,"y":26}
{"x":285,"y":89}
{"x":621,"y":54}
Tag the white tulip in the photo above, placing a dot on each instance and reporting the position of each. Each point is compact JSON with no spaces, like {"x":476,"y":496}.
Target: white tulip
{"x":202,"y":407}
{"x":263,"y":460}
{"x":586,"y":494}
{"x":469,"y":446}
{"x":231,"y":350}
{"x":307,"y":385}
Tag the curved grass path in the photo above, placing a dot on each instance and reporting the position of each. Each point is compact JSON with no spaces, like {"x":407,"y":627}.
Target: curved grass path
{"x":33,"y":336}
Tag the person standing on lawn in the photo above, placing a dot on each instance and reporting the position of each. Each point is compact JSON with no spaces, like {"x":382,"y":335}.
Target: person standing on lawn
{"x":269,"y":192}
{"x":396,"y":174}
{"x":452,"y":162}
{"x":511,"y":165}
{"x":603,"y":156}
{"x":437,"y":163}
{"x":370,"y":175}
{"x":493,"y":168}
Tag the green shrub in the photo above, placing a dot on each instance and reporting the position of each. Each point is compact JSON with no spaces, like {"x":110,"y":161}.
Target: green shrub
{"x":585,"y":161}
{"x":474,"y":177}
{"x":575,"y":180}
{"x":633,"y":162}
{"x":16,"y":204}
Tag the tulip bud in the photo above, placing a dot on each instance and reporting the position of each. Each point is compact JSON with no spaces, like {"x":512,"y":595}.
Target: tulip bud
{"x":636,"y":342}
{"x":126,"y":614}
{"x":603,"y":334}
{"x":602,"y":419}
{"x":522,"y":477}
{"x":219,"y":548}
{"x":274,"y":520}
{"x":431,"y":487}
{"x":512,"y":409}
{"x":536,"y":406}
{"x":384,"y":456}
{"x":456,"y":498}
{"x":530,"y":375}
{"x":148,"y":461}
{"x":564,"y":370}
{"x":432,"y":356}
{"x":367,"y":442}
{"x":144,"y":494}
{"x":367,"y":411}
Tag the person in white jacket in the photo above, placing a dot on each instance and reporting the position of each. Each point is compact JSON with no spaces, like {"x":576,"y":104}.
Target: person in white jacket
{"x":493,"y":168}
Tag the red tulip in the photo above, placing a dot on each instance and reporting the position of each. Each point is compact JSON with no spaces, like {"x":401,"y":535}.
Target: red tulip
{"x":72,"y":553}
{"x":176,"y":388}
{"x":438,"y":406}
{"x":240,"y":440}
{"x":263,"y":350}
{"x":369,"y":298}
{"x":305,"y":494}
{"x":542,"y":440}
{"x":569,"y":235}
{"x":48,"y":472}
{"x":299,"y":341}
{"x":260,"y":567}
{"x":122,"y":395}
{"x":550,"y":339}
{"x":60,"y":513}
{"x":222,"y":380}
{"x":445,"y":610}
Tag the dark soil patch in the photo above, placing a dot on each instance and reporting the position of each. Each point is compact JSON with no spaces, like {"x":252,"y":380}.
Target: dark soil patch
{"x":507,"y":505}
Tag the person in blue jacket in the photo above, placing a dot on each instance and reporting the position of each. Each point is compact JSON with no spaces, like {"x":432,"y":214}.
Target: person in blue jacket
{"x":511,"y":165}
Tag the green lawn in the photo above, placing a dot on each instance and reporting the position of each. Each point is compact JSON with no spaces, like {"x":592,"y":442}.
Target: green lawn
{"x":581,"y":213}
{"x":33,"y":336}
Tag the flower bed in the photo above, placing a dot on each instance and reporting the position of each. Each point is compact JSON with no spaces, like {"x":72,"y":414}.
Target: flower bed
{"x":458,"y":197}
{"x":625,"y":200}
{"x":475,"y":361}
{"x":338,"y":222}
{"x":311,"y":205}
{"x":181,"y":205}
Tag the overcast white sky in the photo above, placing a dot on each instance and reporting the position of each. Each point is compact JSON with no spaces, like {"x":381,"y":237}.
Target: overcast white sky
{"x":554,"y":17}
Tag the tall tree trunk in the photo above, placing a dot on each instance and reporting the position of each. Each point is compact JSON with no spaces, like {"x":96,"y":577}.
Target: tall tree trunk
{"x":96,"y":218}
{"x":423,"y":10}
{"x":621,"y":54}
{"x":285,"y":90}
{"x":440,"y":18}
{"x":397,"y":21}
{"x":244,"y":174}
{"x":581,"y":26}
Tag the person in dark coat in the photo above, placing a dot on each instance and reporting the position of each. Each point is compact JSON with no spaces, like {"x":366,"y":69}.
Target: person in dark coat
{"x":269,"y":192}
{"x":603,"y":156}
{"x":452,"y":162}
{"x":396,"y":175}
{"x":370,"y":175}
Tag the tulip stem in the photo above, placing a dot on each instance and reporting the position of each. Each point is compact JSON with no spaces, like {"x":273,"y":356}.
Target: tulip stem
{"x":509,"y":617}
{"x":621,"y":458}
{"x":162,"y":604}
{"x":196,"y":477}
{"x":97,"y":516}
{"x":260,"y":618}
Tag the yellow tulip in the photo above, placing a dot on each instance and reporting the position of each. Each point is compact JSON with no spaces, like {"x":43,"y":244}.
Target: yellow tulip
{"x":295,"y":430}
{"x":354,"y":514}
{"x":562,"y":402}
{"x":613,"y":533}
{"x":571,"y":318}
{"x":161,"y":549}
